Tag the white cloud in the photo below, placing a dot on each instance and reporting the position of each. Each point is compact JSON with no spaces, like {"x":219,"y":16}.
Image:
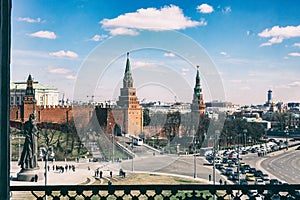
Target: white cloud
{"x":58,"y":70}
{"x":166,"y":18}
{"x":224,"y":53}
{"x":205,"y":8}
{"x":296,"y":45}
{"x":63,"y":53}
{"x":137,"y":64}
{"x":43,"y":34}
{"x":236,"y":81}
{"x":294,"y":54}
{"x":294,"y":84}
{"x":272,"y":41}
{"x":70,"y":77}
{"x":123,"y":31}
{"x":278,"y":34}
{"x":202,"y":22}
{"x":245,"y":88}
{"x":169,"y":55}
{"x":226,"y":10}
{"x":98,"y":38}
{"x":29,"y":20}
{"x":185,"y":70}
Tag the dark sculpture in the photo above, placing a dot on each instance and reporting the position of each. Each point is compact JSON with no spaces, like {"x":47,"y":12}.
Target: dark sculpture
{"x":28,"y":158}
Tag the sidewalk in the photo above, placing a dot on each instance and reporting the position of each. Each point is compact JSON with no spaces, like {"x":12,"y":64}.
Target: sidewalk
{"x":84,"y":173}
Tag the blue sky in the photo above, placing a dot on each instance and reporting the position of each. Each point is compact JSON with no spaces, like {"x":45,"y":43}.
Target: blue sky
{"x":255,"y":46}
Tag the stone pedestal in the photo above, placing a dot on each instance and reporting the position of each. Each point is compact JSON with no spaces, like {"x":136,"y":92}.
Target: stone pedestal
{"x":32,"y":175}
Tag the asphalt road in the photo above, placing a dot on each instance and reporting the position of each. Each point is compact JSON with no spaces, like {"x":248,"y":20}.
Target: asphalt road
{"x":282,"y":165}
{"x":285,"y":166}
{"x":146,"y":161}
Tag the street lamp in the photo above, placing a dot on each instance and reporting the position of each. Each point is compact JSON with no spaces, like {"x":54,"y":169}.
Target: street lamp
{"x":217,"y":132}
{"x":113,"y":142}
{"x":45,"y":154}
{"x":132,"y":166}
{"x":195,"y":163}
{"x":245,"y":137}
{"x":286,"y":137}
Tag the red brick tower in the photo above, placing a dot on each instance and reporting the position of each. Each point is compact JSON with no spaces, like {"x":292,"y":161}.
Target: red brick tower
{"x":29,"y":102}
{"x":198,"y":105}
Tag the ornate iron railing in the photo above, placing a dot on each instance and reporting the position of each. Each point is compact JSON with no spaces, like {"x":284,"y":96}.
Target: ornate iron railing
{"x":192,"y":191}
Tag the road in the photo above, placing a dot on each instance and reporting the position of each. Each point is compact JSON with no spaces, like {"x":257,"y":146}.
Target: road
{"x":146,"y":161}
{"x":282,"y":165}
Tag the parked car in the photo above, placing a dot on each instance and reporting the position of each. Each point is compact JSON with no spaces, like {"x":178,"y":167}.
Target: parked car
{"x":244,"y":152}
{"x":252,"y":170}
{"x":250,"y":177}
{"x":229,"y":171}
{"x":265,"y":177}
{"x":259,"y":181}
{"x":235,"y":176}
{"x":258,"y":173}
{"x":274,"y":182}
{"x":230,"y":164}
{"x":243,"y":182}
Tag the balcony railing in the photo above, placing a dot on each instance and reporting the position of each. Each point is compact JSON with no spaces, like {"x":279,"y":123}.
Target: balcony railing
{"x":191,"y":191}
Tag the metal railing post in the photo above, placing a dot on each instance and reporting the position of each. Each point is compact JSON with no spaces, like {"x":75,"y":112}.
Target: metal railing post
{"x":5,"y":38}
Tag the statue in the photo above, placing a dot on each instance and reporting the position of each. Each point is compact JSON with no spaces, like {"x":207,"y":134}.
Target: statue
{"x":28,"y":158}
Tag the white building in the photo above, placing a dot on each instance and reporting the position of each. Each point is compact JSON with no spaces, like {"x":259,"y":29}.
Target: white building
{"x":44,"y":95}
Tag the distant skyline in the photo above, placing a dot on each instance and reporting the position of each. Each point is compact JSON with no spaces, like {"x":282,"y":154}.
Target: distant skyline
{"x":255,"y":45}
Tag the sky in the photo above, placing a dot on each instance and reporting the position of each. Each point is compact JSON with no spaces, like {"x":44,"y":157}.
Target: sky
{"x":243,"y":48}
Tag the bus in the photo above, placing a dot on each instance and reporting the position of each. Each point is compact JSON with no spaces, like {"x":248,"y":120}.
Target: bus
{"x":137,"y":140}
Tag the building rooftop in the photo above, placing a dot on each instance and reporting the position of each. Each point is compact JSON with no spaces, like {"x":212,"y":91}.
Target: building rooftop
{"x":36,"y":85}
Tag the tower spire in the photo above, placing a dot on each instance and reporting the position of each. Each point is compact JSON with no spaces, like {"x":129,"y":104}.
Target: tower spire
{"x":127,"y":80}
{"x":198,"y":104}
{"x":127,"y":69}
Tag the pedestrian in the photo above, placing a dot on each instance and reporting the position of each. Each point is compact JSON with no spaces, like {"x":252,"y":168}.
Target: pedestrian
{"x":48,"y":168}
{"x":101,"y":173}
{"x":220,"y":181}
{"x":209,"y":177}
{"x":53,"y":167}
{"x":225,"y":182}
{"x":110,"y":173}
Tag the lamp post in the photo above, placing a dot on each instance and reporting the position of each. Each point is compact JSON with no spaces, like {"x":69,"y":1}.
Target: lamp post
{"x":46,"y":153}
{"x":217,"y":132}
{"x":132,"y":166}
{"x":286,"y":137}
{"x":195,"y":163}
{"x":245,"y":137}
{"x":238,"y":156}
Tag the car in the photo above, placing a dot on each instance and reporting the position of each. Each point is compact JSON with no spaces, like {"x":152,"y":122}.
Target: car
{"x":235,"y":176}
{"x":254,"y":150}
{"x":259,"y":181}
{"x":228,"y":171}
{"x":265,"y":177}
{"x":230,"y":164}
{"x":244,"y":152}
{"x":252,"y":170}
{"x":224,"y":160}
{"x":274,"y":182}
{"x":219,"y":166}
{"x":246,"y":167}
{"x":258,"y":173}
{"x":242,"y":170}
{"x":250,"y":177}
{"x":243,"y":182}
